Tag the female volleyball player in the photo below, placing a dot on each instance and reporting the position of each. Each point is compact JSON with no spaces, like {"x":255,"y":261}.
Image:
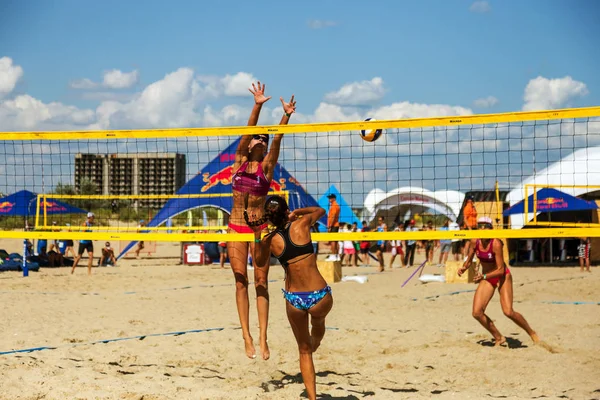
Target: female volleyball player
{"x":251,"y":179}
{"x":306,"y":292}
{"x":494,"y":274}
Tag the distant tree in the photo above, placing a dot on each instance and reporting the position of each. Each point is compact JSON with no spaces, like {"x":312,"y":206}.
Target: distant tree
{"x":62,"y":188}
{"x":88,"y":187}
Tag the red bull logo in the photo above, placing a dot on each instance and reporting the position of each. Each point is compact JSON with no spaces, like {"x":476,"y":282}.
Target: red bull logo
{"x":295,"y":182}
{"x":51,"y":206}
{"x":277,"y":186}
{"x":222,"y":177}
{"x":6,"y":206}
{"x":552,"y":203}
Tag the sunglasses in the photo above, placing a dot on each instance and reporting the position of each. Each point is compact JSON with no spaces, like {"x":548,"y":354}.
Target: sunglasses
{"x":485,"y":226}
{"x":261,"y":138}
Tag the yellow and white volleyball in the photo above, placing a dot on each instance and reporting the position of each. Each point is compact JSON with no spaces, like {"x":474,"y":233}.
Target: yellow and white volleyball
{"x":370,"y":135}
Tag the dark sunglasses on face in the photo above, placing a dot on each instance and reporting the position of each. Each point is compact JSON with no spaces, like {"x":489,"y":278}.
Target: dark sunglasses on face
{"x":485,"y":226}
{"x":260,"y":137}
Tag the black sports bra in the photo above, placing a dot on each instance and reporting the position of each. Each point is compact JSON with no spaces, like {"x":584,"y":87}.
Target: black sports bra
{"x":290,"y":249}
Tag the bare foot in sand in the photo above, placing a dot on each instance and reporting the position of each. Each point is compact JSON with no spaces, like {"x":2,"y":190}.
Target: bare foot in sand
{"x":250,"y":350}
{"x":499,"y":342}
{"x":535,"y":337}
{"x":264,"y":349}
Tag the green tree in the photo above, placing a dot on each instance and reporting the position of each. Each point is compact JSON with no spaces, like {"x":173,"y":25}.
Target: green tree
{"x":62,"y":188}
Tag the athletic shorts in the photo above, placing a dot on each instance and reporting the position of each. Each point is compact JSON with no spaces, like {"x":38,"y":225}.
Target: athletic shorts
{"x":456,"y":247}
{"x":334,"y":229}
{"x":397,"y":250}
{"x":584,"y":250}
{"x":222,"y":249}
{"x":445,"y":247}
{"x":85,"y":246}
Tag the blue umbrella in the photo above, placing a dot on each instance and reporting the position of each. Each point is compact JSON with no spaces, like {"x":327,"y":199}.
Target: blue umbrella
{"x":24,"y":203}
{"x":551,"y":200}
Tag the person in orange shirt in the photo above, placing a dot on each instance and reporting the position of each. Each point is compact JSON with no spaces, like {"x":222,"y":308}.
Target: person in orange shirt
{"x":470,"y":221}
{"x":470,"y":214}
{"x":333,"y":225}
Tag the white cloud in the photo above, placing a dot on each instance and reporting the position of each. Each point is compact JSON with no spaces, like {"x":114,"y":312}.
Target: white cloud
{"x":25,"y":112}
{"x":230,"y":115}
{"x":486,"y":102}
{"x":236,"y":85}
{"x":84,"y":84}
{"x":177,"y":100}
{"x":543,"y":93}
{"x":358,"y":93}
{"x":180,"y":99}
{"x":115,"y":79}
{"x":9,"y":75}
{"x":320,"y":24}
{"x":107,"y":96}
{"x":480,"y":7}
{"x":169,"y":102}
{"x":406,"y":109}
{"x":331,"y":112}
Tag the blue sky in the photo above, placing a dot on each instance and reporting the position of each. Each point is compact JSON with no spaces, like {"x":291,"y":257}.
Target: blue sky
{"x":431,"y":52}
{"x":130,"y":64}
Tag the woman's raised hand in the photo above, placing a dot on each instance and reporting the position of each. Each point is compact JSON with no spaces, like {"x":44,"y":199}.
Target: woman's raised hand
{"x":258,"y":92}
{"x":288,"y":108}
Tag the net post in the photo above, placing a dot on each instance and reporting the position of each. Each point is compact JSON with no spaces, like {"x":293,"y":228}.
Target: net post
{"x":45,"y":212}
{"x":526,"y":208}
{"x":25,"y":268}
{"x":37,"y":210}
{"x":498,"y":205}
{"x":534,"y":205}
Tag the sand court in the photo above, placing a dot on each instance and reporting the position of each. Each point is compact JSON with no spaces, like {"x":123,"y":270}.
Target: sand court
{"x":154,"y":330}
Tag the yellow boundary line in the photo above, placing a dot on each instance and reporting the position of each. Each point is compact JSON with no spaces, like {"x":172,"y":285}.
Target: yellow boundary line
{"x":521,"y":116}
{"x":320,"y":237}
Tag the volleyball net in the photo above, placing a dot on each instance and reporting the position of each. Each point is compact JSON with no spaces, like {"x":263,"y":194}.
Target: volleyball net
{"x":525,"y":169}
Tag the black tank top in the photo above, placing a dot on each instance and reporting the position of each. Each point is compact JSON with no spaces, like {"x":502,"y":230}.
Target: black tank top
{"x":290,"y":249}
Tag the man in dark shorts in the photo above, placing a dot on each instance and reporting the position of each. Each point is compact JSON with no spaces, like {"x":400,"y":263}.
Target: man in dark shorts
{"x":333,"y":225}
{"x":140,"y":244}
{"x":364,"y":246}
{"x":86,"y":245}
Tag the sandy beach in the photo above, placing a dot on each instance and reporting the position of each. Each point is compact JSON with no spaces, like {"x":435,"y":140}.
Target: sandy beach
{"x":383,"y":341}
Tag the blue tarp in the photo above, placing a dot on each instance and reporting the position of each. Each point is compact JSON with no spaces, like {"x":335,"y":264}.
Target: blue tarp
{"x":346,"y":213}
{"x":215,"y":178}
{"x":551,"y":200}
{"x":23,"y":204}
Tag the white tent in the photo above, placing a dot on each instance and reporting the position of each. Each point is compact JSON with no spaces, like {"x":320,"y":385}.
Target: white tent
{"x":410,"y":200}
{"x":579,"y":168}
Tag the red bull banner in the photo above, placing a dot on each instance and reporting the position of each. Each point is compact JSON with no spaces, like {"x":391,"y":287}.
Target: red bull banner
{"x":51,"y":206}
{"x":6,"y":206}
{"x":552,"y":204}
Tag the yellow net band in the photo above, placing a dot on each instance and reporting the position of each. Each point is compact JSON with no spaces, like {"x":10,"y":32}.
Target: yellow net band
{"x":480,"y":119}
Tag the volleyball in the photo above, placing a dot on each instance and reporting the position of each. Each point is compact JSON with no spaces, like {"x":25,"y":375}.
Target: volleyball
{"x":370,"y":135}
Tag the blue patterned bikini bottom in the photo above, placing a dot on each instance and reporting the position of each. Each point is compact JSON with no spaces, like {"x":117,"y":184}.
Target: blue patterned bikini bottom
{"x":305,"y":300}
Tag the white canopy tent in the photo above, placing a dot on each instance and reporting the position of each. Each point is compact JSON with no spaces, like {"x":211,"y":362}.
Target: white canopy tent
{"x":410,"y":200}
{"x":581,"y":168}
